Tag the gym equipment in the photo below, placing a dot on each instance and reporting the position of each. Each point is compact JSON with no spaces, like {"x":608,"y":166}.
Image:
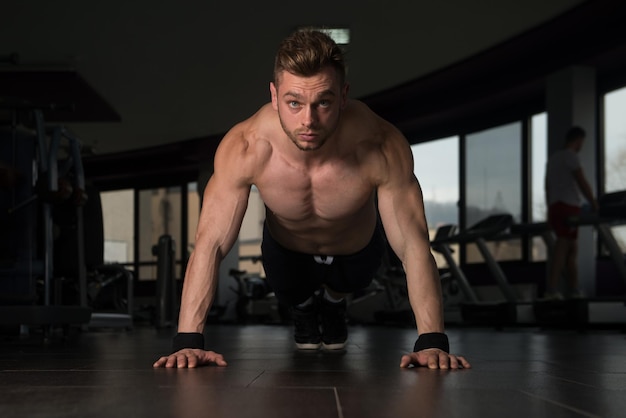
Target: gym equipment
{"x":166,"y":292}
{"x":612,"y":212}
{"x":453,"y":292}
{"x":497,"y":312}
{"x":386,"y":299}
{"x":570,"y":313}
{"x":49,"y":274}
{"x":109,"y":286}
{"x":256,"y":301}
{"x":110,"y":295}
{"x":33,"y":152}
{"x":540,"y":229}
{"x":581,"y":312}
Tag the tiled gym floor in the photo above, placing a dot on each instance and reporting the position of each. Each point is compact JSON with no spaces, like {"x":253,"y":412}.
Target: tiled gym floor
{"x":516,"y":373}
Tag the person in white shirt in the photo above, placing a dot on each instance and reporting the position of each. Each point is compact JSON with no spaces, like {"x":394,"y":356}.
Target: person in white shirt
{"x":565,"y":182}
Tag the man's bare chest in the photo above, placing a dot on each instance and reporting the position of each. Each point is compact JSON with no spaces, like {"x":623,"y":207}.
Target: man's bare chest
{"x":331,"y":193}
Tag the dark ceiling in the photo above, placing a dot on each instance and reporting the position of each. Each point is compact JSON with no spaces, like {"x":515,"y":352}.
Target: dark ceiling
{"x":508,"y":81}
{"x":160,"y":72}
{"x":500,"y":84}
{"x":153,"y":88}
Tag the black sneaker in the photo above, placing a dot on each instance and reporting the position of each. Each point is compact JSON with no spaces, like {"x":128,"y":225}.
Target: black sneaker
{"x":334,"y":327}
{"x":307,"y":327}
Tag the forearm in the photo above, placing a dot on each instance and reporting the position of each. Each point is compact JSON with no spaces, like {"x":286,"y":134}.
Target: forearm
{"x":198,"y":291}
{"x":425,"y":293}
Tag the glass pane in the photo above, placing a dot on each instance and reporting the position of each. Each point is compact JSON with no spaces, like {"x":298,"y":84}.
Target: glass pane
{"x":493,"y":183}
{"x":538,"y":213}
{"x":436,"y":166}
{"x":539,"y":138}
{"x":615,"y":141}
{"x":251,"y":234}
{"x":159,"y":214}
{"x":117,"y":212}
{"x":615,"y":150}
{"x":193,"y":215}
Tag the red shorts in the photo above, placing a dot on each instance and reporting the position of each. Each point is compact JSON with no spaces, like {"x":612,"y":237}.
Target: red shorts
{"x":558,"y":213}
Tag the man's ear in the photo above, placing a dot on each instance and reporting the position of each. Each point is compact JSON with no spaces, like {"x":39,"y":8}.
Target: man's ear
{"x":274,"y":95}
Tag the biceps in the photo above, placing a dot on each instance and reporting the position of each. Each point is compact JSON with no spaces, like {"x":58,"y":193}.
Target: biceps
{"x":223,"y":208}
{"x":402,"y":215}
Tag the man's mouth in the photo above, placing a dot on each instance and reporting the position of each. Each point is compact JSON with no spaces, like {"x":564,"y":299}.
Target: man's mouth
{"x":307,"y":136}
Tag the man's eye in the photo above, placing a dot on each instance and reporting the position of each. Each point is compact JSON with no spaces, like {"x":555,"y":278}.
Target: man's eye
{"x":324,"y":103}
{"x":293,"y":104}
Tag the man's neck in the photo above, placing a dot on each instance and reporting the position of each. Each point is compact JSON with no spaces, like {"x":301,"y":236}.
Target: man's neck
{"x":313,"y":158}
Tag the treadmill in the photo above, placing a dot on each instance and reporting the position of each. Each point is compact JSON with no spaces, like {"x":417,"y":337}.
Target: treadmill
{"x":558,"y":313}
{"x":498,"y":312}
{"x":612,"y":212}
{"x":454,"y":285}
{"x":536,"y":229}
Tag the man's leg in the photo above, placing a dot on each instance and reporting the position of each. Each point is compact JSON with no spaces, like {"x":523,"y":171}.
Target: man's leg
{"x":333,"y":319}
{"x":307,"y":333}
{"x":293,"y":278}
{"x":347,"y":275}
{"x":559,"y":258}
{"x":571,"y":268}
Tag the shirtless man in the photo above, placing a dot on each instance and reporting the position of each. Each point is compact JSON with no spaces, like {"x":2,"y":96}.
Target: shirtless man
{"x":320,"y":161}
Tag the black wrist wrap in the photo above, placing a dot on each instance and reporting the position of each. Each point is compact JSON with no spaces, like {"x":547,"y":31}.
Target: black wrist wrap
{"x":432,"y":340}
{"x":188,"y":340}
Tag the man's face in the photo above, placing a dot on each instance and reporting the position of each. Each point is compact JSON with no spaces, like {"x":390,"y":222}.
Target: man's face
{"x":309,"y":107}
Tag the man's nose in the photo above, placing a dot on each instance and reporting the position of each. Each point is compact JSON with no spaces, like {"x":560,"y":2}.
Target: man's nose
{"x":309,"y":117}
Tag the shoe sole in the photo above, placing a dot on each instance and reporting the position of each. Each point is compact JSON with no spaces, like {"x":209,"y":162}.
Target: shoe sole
{"x":335,"y":346}
{"x":308,"y":346}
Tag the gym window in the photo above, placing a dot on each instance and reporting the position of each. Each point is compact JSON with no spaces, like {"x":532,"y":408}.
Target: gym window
{"x":493,"y":182}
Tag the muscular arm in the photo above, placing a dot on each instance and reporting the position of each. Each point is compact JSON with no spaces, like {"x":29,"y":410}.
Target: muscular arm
{"x":401,"y":209}
{"x":402,"y":212}
{"x":224,"y":205}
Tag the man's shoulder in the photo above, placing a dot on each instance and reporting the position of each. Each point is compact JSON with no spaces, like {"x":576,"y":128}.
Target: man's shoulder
{"x":246,"y":143}
{"x":358,"y":112}
{"x":255,"y":129}
{"x":367,"y":125}
{"x":564,"y":159}
{"x":378,"y":143}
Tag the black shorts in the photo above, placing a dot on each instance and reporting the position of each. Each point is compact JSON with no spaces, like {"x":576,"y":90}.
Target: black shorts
{"x":295,"y":276}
